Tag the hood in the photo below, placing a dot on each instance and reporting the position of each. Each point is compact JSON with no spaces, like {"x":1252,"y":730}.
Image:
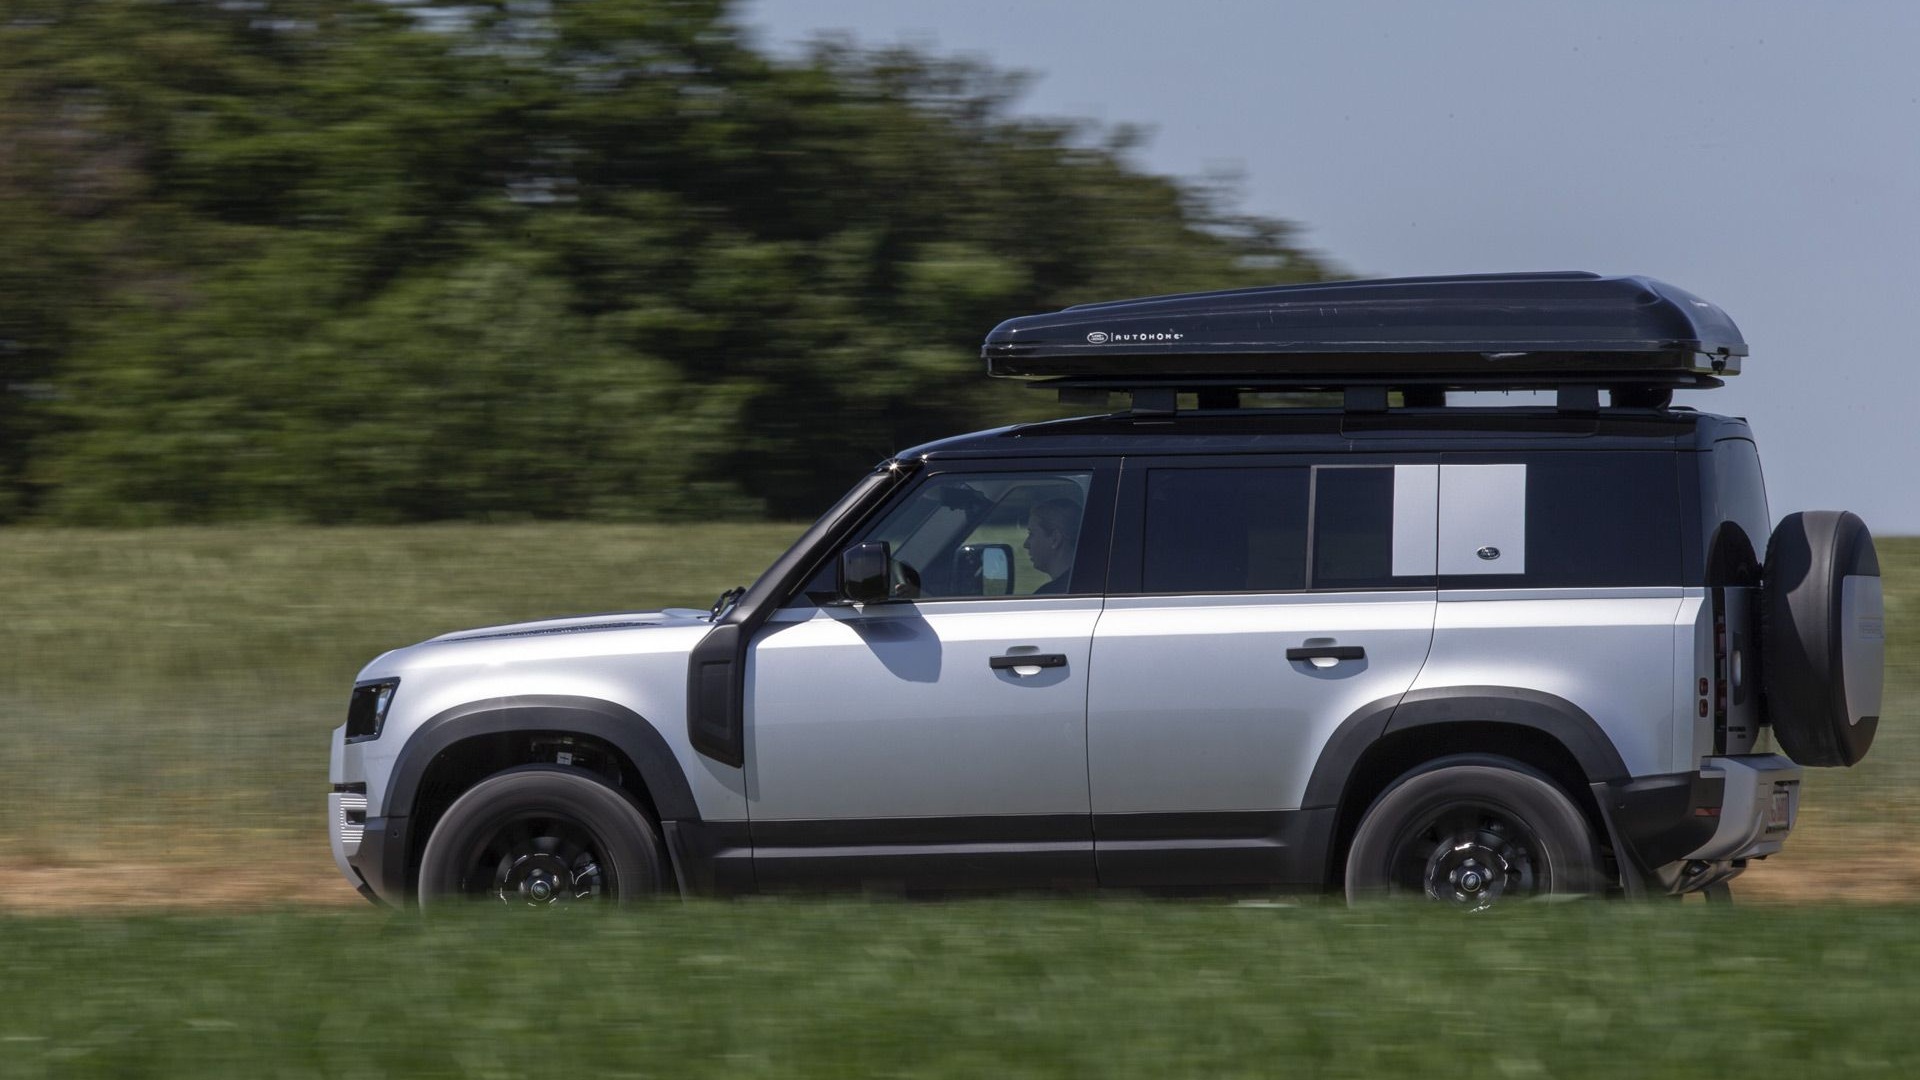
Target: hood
{"x":582,"y":624}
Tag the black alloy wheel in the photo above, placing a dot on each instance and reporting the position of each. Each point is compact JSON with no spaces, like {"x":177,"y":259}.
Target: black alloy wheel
{"x":537,"y":861}
{"x":1468,"y":856}
{"x":540,"y":838}
{"x":1471,"y":833}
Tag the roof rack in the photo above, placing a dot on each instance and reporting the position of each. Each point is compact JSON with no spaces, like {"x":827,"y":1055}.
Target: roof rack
{"x":1572,"y":332}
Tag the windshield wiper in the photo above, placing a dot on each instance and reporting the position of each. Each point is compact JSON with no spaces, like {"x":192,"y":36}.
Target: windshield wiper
{"x":726,"y":601}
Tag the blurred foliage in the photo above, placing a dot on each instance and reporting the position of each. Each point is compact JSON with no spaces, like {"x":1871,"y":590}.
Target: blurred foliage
{"x":379,"y":262}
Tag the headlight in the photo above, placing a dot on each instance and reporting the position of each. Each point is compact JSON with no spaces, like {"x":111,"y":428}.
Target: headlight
{"x":368,"y":709}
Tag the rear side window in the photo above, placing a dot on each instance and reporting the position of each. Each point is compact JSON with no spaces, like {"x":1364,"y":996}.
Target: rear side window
{"x":1352,"y":527}
{"x":1560,"y":520}
{"x":1225,"y":530}
{"x":1288,"y":528}
{"x":1739,"y":496}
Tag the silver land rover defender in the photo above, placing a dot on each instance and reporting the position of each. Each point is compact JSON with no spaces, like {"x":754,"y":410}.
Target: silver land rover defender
{"x":1290,"y":621}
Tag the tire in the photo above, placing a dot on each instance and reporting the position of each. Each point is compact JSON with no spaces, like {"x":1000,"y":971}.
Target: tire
{"x":540,"y":836}
{"x":1822,"y":637}
{"x":1470,"y":833}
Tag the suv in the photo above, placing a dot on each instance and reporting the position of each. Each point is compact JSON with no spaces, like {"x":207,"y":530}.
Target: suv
{"x":1291,"y":621}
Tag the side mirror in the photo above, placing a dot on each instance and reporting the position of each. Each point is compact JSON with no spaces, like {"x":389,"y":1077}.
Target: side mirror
{"x":984,"y":569}
{"x":863,"y":572}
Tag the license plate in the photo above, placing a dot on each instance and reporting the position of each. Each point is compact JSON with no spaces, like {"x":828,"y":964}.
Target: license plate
{"x":1780,"y":813}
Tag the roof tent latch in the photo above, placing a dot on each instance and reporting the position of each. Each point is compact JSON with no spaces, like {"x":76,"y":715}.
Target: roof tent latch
{"x":1155,"y":402}
{"x":1366,"y":399}
{"x":1578,"y":398}
{"x":1084,"y":397}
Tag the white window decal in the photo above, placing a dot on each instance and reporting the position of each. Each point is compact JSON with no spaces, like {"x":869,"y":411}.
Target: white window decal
{"x":1416,"y":498}
{"x":1483,"y":519}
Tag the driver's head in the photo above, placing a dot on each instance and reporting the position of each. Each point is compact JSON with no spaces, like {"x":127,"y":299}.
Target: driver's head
{"x":1053,"y":529}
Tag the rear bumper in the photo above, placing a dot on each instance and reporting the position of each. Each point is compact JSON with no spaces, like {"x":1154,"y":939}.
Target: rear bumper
{"x":1684,"y":831}
{"x":1762,"y":802}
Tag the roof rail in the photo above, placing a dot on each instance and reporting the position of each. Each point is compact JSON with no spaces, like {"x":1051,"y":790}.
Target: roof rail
{"x":1361,"y":394}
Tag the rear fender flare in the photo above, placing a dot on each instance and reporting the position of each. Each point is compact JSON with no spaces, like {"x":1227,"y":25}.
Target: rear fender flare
{"x":1554,"y":716}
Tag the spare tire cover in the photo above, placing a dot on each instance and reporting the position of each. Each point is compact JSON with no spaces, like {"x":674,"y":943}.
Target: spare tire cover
{"x":1823,"y":637}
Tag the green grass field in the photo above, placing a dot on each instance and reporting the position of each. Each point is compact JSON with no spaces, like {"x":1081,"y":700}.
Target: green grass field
{"x":165,"y":695}
{"x":1008,"y":988}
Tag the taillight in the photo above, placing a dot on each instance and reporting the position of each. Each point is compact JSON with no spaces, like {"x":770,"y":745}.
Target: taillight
{"x":1722,"y":663}
{"x":1711,"y":692}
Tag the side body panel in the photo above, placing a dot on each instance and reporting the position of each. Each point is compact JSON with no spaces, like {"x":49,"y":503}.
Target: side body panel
{"x":1196,"y":708}
{"x":1610,"y":652}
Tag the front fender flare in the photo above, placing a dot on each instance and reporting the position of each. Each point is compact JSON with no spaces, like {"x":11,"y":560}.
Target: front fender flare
{"x":386,"y":851}
{"x":616,"y":725}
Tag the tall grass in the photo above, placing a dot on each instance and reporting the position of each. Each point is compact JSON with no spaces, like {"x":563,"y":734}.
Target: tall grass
{"x":1003,"y":989}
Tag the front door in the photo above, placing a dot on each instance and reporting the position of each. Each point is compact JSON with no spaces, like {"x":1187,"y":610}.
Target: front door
{"x":906,"y":742}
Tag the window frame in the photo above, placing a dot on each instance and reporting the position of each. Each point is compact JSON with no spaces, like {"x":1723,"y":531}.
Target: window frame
{"x":1090,"y":560}
{"x":1684,"y":538}
{"x":1127,"y":568}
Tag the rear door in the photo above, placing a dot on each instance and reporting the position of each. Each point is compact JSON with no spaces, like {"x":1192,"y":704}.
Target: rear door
{"x":1254,"y":604}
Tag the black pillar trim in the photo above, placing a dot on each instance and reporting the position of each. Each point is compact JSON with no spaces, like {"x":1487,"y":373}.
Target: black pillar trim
{"x":716,"y":669}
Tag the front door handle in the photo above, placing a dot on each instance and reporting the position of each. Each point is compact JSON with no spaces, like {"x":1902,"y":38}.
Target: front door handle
{"x":1020,"y":660}
{"x":1327,"y":652}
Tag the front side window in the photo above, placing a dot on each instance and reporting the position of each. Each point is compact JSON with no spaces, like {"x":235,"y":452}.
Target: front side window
{"x":987,"y":534}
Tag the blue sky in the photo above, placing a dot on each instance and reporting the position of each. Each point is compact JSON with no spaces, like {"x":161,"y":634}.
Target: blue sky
{"x":1765,"y":155}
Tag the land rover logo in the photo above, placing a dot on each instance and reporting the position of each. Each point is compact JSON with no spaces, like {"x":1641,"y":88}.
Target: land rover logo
{"x":1101,"y":337}
{"x":1488,"y":553}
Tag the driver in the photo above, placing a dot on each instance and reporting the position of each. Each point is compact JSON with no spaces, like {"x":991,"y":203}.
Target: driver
{"x":1053,"y":531}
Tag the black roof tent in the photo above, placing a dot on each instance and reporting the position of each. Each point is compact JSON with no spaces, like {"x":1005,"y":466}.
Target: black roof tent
{"x":1491,"y":331}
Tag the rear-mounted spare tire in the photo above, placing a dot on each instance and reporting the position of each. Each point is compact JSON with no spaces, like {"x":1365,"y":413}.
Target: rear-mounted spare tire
{"x":1823,"y":637}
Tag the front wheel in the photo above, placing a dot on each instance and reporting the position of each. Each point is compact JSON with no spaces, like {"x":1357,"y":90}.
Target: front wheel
{"x":1473,"y":835}
{"x":540,"y":837}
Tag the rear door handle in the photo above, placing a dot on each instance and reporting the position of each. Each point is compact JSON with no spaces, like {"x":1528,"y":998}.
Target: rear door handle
{"x":1327,"y":652}
{"x":1019,"y":660}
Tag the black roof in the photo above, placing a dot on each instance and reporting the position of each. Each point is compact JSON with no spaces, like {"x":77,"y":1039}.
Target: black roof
{"x":1532,"y":329}
{"x":1296,"y":430}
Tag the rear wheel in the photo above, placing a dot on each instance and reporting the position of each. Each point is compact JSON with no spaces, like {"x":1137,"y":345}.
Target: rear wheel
{"x":540,"y":838}
{"x":1471,"y":835}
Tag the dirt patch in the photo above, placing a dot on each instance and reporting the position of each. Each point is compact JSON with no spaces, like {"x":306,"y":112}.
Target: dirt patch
{"x":1885,"y":874}
{"x":1882,"y":873}
{"x":134,"y":886}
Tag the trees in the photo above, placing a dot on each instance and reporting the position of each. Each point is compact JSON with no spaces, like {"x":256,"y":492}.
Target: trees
{"x":366,"y":261}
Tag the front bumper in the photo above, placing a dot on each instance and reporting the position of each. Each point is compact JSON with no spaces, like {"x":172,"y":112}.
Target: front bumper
{"x":359,"y":841}
{"x":360,"y":844}
{"x":1686,"y":831}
